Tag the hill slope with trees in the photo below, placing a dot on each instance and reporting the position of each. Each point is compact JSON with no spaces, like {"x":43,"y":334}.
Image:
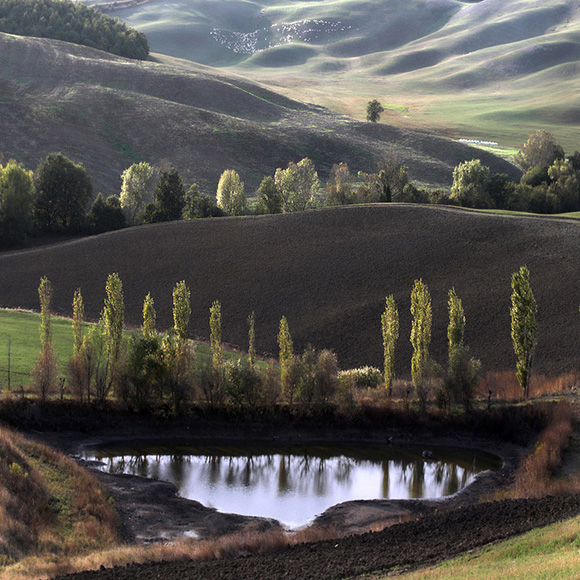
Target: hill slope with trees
{"x":108,"y":112}
{"x":73,"y":22}
{"x":329,"y":272}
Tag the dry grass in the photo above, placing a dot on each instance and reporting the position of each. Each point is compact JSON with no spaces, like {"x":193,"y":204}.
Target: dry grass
{"x":233,"y":545}
{"x":536,"y":476}
{"x":49,"y":506}
{"x":504,"y":385}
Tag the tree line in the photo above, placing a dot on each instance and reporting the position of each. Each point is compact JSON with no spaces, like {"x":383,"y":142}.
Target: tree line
{"x":72,"y":22}
{"x":54,"y":198}
{"x":153,"y":371}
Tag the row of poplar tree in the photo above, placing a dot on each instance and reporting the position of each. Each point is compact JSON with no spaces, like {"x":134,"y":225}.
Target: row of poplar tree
{"x":152,"y":371}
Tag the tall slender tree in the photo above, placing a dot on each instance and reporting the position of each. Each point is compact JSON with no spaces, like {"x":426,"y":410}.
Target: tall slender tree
{"x":215,"y":326}
{"x":524,"y":327}
{"x":456,"y":326}
{"x":149,"y":317}
{"x":252,"y":338}
{"x":390,"y":328}
{"x":181,"y":311}
{"x":77,"y":321}
{"x":113,"y":323}
{"x":420,"y":338}
{"x":286,"y":352}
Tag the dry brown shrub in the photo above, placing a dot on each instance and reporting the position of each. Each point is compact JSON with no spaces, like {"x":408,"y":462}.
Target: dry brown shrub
{"x":505,"y":386}
{"x":536,"y":475}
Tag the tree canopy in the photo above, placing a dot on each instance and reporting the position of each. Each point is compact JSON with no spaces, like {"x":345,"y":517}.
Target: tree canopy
{"x":63,"y":189}
{"x":72,"y":22}
{"x":374,"y":110}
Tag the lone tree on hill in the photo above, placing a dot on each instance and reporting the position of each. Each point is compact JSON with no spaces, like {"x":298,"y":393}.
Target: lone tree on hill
{"x":524,"y":327}
{"x":374,"y":110}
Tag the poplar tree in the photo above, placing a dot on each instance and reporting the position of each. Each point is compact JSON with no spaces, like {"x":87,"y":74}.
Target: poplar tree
{"x":420,"y":338}
{"x":181,"y":311}
{"x":149,"y":317}
{"x":45,"y":369}
{"x":113,"y":322}
{"x":285,"y":344}
{"x":215,"y":326}
{"x":77,"y":321}
{"x":252,"y":338}
{"x":524,"y":328}
{"x":456,"y":326}
{"x":390,"y":328}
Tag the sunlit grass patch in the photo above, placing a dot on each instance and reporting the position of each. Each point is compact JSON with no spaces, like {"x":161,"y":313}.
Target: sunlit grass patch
{"x":552,"y":552}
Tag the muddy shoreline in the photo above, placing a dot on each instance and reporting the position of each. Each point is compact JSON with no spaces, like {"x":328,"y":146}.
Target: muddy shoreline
{"x":152,"y":511}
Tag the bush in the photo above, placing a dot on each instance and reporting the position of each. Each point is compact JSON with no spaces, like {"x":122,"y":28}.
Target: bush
{"x":362,"y":378}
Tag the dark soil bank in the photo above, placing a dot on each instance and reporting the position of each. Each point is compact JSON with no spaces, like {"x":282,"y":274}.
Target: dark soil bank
{"x":428,"y":540}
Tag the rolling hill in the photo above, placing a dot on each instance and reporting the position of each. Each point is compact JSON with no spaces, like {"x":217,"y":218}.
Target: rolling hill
{"x":110,"y":112}
{"x":328,"y":272}
{"x":493,"y":69}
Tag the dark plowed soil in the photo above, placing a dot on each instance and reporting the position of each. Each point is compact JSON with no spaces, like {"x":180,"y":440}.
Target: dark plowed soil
{"x":413,"y":544}
{"x":329,"y":272}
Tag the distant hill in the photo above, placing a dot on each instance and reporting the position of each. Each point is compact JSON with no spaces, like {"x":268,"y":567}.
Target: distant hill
{"x":109,"y":112}
{"x":73,"y":22}
{"x":329,"y":272}
{"x":495,"y":69}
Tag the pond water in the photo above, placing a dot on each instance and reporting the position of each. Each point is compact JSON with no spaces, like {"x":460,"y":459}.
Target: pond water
{"x":294,"y":483}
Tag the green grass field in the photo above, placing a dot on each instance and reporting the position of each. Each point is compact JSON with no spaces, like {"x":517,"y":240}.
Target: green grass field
{"x":552,"y":552}
{"x":19,"y":333}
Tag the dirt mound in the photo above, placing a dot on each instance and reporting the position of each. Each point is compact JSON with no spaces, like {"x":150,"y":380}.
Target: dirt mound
{"x":426,"y":541}
{"x":328,"y":272}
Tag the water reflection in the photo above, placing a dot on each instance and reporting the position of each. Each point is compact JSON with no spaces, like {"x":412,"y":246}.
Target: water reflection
{"x":293,"y":484}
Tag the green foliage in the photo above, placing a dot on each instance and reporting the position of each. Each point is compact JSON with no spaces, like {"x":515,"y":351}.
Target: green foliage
{"x":286,"y":351}
{"x":339,"y":186}
{"x":524,"y":329}
{"x":113,"y":322}
{"x":374,"y":110}
{"x":105,"y":216}
{"x":16,"y":197}
{"x":269,"y":197}
{"x":242,"y":385}
{"x":230,"y":193}
{"x":252,"y":338}
{"x":540,"y":150}
{"x":393,"y":178}
{"x":135,"y":190}
{"x":73,"y":22}
{"x":63,"y":189}
{"x":215,"y":326}
{"x":470,"y":185}
{"x":45,"y":297}
{"x":149,"y":316}
{"x":420,"y":338}
{"x":198,"y":205}
{"x":390,"y":329}
{"x":298,"y":185}
{"x":168,"y":198}
{"x":181,"y":310}
{"x":77,"y":320}
{"x":456,"y":326}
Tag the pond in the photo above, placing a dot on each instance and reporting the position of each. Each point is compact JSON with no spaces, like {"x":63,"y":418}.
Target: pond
{"x":294,"y":483}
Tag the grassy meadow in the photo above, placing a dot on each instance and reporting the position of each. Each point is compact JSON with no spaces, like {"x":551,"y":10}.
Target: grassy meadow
{"x":552,"y":552}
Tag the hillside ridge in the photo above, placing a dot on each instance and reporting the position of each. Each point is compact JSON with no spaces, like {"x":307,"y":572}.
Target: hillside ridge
{"x":329,"y":272}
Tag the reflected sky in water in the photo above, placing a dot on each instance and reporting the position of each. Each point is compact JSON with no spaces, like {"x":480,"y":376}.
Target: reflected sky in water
{"x":293,"y":484}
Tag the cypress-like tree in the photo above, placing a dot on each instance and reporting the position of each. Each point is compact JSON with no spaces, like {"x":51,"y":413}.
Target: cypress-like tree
{"x":390,"y":328}
{"x":77,"y":322}
{"x":215,"y":326}
{"x":252,"y":338}
{"x":285,"y":344}
{"x":149,"y":317}
{"x":113,"y":323}
{"x":420,"y":338}
{"x":524,"y":328}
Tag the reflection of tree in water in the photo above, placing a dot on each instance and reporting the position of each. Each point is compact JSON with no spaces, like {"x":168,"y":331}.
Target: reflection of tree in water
{"x":301,"y":474}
